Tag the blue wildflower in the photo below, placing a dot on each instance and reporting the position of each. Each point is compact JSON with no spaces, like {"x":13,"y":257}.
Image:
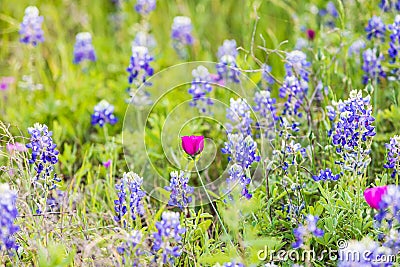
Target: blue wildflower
{"x":9,"y":214}
{"x":394,"y":45}
{"x":168,"y":237}
{"x":372,"y":65}
{"x":240,"y":116}
{"x":31,"y":27}
{"x":139,"y":68}
{"x":129,"y":191}
{"x":83,"y":48}
{"x":295,"y":91}
{"x":242,"y":150}
{"x":103,"y":113}
{"x":297,"y":65}
{"x":387,"y":5}
{"x":200,"y":88}
{"x":325,"y":175}
{"x":145,"y":39}
{"x":356,"y":47}
{"x":266,"y":74}
{"x":144,"y":7}
{"x":304,"y":232}
{"x":181,"y":33}
{"x":237,"y":175}
{"x":393,"y":155}
{"x":180,"y":190}
{"x":375,"y":28}
{"x":227,"y":67}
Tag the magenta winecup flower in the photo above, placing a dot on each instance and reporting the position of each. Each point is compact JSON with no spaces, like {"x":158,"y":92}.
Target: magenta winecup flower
{"x":193,"y":145}
{"x":373,"y":196}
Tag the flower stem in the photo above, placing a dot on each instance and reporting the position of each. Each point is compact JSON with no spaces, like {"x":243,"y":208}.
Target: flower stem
{"x":212,"y":204}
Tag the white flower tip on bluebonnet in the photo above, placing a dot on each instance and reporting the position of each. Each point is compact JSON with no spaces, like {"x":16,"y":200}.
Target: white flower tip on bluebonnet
{"x":134,"y":177}
{"x":139,"y":50}
{"x":103,"y":105}
{"x":143,"y":38}
{"x":31,"y":11}
{"x":7,"y":196}
{"x":228,"y":48}
{"x":201,"y":73}
{"x":84,"y":36}
{"x":181,"y":21}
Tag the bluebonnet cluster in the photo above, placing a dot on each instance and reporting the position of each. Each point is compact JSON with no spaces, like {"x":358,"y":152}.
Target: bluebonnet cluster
{"x":103,"y":113}
{"x":372,"y":65}
{"x":388,"y":5}
{"x":9,"y":214}
{"x":294,"y":90}
{"x":168,"y":237}
{"x":304,"y":232}
{"x":353,"y":131}
{"x":44,"y":156}
{"x":181,"y":35}
{"x":393,"y":155}
{"x":31,"y":27}
{"x":297,"y":65}
{"x":200,"y":88}
{"x":227,"y":67}
{"x":139,"y":68}
{"x":240,"y":116}
{"x":242,"y":150}
{"x":242,"y":154}
{"x":363,"y":253}
{"x":130,"y":248}
{"x":325,"y":175}
{"x":129,"y":191}
{"x":375,"y":29}
{"x":265,"y":107}
{"x":290,"y":152}
{"x":394,"y":49}
{"x":144,"y":7}
{"x":388,"y":218}
{"x":330,"y":14}
{"x":356,"y":47}
{"x":83,"y":48}
{"x":180,"y":190}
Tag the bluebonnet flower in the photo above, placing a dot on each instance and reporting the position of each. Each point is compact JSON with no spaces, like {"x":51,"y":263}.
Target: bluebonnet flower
{"x":227,"y":67}
{"x":237,"y":175}
{"x":240,"y":116}
{"x":180,"y":190}
{"x":265,"y":105}
{"x":139,"y":68}
{"x":387,"y":5}
{"x":366,"y":253}
{"x":129,"y":191}
{"x":181,"y":35}
{"x":266,"y":74}
{"x":168,"y":237}
{"x":83,"y":48}
{"x":331,"y":9}
{"x":301,"y":43}
{"x":304,"y":232}
{"x":144,"y":7}
{"x":332,"y":13}
{"x":297,"y":64}
{"x":130,"y":249}
{"x":103,"y":113}
{"x":393,"y":155}
{"x":200,"y":88}
{"x":44,"y":156}
{"x":356,"y":47}
{"x":31,"y":27}
{"x":295,"y":91}
{"x":372,"y":65}
{"x":354,"y":131}
{"x":331,"y":112}
{"x":394,"y":49}
{"x":242,"y":150}
{"x":145,"y":39}
{"x":375,"y":28}
{"x":325,"y":175}
{"x":9,"y":214}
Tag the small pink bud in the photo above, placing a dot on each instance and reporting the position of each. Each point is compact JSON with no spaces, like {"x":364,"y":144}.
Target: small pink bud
{"x":107,"y":164}
{"x":373,"y":196}
{"x":310,"y":34}
{"x":193,"y":145}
